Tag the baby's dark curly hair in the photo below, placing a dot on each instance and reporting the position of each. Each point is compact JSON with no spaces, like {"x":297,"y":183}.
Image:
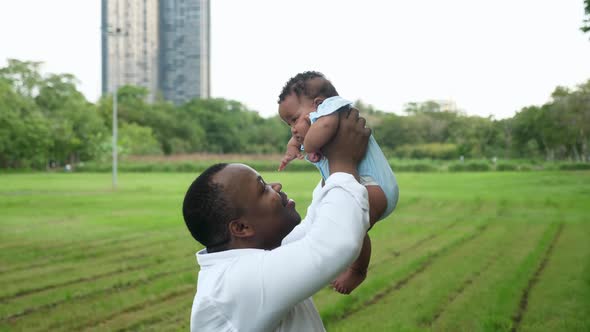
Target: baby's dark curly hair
{"x":310,"y":84}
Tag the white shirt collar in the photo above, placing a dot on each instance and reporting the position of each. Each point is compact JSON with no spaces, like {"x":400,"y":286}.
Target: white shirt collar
{"x":208,"y":259}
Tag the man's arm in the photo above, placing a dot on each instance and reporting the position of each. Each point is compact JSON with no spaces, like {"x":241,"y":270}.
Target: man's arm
{"x":294,"y":272}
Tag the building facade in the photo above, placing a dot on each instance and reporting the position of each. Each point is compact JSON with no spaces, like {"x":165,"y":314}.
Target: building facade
{"x":161,"y":45}
{"x":184,"y":49}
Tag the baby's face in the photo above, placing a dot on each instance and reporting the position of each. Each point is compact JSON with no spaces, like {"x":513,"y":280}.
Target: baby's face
{"x":295,"y":112}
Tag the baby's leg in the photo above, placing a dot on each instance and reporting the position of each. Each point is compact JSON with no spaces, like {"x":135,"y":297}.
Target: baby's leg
{"x":356,"y":273}
{"x":377,"y":203}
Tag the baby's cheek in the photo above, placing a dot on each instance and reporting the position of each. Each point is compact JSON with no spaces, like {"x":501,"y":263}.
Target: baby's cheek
{"x":304,"y":129}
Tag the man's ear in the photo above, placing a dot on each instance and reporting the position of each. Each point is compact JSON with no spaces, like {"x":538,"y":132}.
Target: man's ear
{"x":240,"y":228}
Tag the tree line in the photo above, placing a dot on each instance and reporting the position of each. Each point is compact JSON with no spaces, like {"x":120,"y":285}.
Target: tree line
{"x":44,"y":119}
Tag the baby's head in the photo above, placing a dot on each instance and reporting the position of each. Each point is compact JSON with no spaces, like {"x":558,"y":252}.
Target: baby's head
{"x":301,"y":95}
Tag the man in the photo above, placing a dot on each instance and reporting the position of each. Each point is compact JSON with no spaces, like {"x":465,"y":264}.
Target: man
{"x":260,"y":266}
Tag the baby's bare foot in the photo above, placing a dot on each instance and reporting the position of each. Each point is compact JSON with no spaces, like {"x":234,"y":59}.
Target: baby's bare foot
{"x":348,"y":280}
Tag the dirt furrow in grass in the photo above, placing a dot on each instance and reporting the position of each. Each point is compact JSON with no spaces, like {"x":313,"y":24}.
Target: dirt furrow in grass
{"x":40,"y":227}
{"x":72,"y":282}
{"x":559,"y":301}
{"x":413,"y":246}
{"x":466,"y":283}
{"x":173,"y":322}
{"x":523,"y":303}
{"x":112,"y":286}
{"x":175,"y":308}
{"x":69,"y":271}
{"x":90,"y":312}
{"x":489,"y":306}
{"x":102,"y":324}
{"x":333,"y":305}
{"x":413,"y":307}
{"x":389,"y":241}
{"x":89,"y":278}
{"x":75,"y":250}
{"x":160,"y":321}
{"x":420,"y":269}
{"x":12,"y":241}
{"x":64,"y":252}
{"x":430,"y":237}
{"x":97,"y":294}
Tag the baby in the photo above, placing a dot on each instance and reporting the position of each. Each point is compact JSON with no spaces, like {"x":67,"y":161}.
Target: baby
{"x":309,"y":104}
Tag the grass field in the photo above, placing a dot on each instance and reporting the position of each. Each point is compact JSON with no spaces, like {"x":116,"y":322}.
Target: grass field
{"x":463,"y":252}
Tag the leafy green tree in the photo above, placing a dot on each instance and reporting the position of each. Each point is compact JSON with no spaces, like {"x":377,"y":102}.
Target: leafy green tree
{"x":77,"y":129}
{"x":586,"y":23}
{"x":219,"y":122}
{"x":137,"y":140}
{"x":24,"y":132}
{"x":570,"y":110}
{"x":24,"y":76}
{"x":46,"y":118}
{"x":178,"y":130}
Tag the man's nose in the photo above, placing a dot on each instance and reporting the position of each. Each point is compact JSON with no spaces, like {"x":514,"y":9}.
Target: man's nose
{"x":293,"y":130}
{"x":276,"y":186}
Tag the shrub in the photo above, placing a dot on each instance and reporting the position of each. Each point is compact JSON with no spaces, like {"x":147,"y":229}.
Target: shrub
{"x":429,"y":150}
{"x":472,"y":166}
{"x":506,"y":167}
{"x":574,"y":167}
{"x":415,"y":167}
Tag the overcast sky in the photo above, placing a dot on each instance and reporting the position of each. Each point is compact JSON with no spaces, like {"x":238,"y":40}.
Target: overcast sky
{"x":490,"y":57}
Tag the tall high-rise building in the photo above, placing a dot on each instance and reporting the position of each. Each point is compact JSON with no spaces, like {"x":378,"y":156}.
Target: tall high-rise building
{"x":184,"y":49}
{"x":162,"y":45}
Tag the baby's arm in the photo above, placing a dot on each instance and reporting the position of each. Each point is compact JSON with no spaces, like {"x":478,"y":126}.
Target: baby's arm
{"x":293,"y":151}
{"x":320,"y":133}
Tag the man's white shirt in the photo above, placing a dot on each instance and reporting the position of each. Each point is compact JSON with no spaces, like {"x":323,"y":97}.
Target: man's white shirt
{"x":270,"y":290}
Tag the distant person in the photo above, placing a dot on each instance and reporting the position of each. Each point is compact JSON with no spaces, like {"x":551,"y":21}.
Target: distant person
{"x":310,"y":105}
{"x":261,"y":265}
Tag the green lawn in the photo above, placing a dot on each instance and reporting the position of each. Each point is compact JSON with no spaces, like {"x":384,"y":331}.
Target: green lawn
{"x":463,"y":252}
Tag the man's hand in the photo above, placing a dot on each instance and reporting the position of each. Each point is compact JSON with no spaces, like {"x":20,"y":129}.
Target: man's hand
{"x":349,"y":145}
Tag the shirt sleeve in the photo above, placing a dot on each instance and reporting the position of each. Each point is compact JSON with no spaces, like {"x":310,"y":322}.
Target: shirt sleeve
{"x":333,"y":239}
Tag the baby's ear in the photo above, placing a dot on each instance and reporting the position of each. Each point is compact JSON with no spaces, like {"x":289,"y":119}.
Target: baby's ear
{"x":317,"y":101}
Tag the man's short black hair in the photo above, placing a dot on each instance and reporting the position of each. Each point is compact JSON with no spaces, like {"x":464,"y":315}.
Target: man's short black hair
{"x":206,"y":210}
{"x":300,"y":85}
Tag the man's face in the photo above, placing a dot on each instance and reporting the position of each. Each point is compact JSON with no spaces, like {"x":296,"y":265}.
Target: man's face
{"x":295,"y":112}
{"x":266,"y":208}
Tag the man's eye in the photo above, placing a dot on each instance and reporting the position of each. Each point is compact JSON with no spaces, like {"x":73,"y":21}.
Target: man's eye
{"x":264,"y":186}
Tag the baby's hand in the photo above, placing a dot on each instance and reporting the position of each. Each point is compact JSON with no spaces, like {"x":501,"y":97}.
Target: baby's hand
{"x":314,"y":157}
{"x":291,"y":154}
